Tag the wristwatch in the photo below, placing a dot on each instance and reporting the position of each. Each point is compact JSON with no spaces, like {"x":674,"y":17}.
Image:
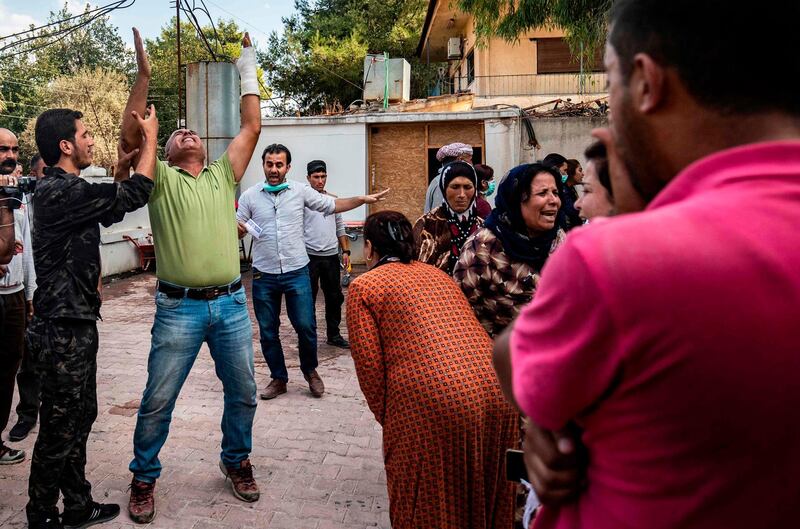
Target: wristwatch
{"x":346,"y":251}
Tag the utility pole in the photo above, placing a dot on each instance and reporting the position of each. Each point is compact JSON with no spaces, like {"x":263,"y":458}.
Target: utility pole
{"x":178,"y":41}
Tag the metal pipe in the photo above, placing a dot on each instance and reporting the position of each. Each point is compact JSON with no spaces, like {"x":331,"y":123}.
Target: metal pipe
{"x":178,"y":42}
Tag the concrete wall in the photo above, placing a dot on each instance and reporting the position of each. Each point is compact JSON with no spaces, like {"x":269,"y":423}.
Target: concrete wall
{"x":343,"y":147}
{"x":567,"y":136}
{"x":342,"y":143}
{"x":503,"y":146}
{"x":117,"y":254}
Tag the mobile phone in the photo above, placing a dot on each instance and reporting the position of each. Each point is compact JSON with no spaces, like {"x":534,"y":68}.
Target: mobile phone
{"x":515,"y":466}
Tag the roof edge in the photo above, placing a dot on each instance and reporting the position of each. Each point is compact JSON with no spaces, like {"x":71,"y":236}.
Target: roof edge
{"x":426,"y":26}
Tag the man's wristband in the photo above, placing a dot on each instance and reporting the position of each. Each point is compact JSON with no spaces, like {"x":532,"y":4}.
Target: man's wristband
{"x":246,"y":64}
{"x":346,"y":251}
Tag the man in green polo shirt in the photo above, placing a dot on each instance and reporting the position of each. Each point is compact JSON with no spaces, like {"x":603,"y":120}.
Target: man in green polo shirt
{"x":200,"y":296}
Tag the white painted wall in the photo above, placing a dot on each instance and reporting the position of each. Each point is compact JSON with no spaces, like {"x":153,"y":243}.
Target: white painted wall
{"x":502,"y":137}
{"x":343,"y":147}
{"x":342,"y":142}
{"x":117,"y":254}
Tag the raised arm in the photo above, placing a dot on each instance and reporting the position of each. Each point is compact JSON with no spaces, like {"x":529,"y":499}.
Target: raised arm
{"x":148,"y":127}
{"x":241,"y":148}
{"x":137,"y":100}
{"x":122,"y":170}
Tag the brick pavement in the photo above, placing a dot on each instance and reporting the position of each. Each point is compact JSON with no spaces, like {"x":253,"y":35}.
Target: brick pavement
{"x":318,"y":462}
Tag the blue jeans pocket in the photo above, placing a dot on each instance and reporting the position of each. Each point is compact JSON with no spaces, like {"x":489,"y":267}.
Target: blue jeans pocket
{"x":240,"y":297}
{"x":165,"y":302}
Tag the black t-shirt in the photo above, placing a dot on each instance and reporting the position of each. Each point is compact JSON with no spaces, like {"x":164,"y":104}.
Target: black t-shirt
{"x":66,"y":241}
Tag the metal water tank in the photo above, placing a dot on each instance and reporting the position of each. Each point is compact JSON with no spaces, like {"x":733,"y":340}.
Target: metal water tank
{"x":375,"y":69}
{"x":212,"y":104}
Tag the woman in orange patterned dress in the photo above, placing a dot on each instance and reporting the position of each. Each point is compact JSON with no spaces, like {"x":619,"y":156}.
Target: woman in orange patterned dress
{"x":424,"y":364}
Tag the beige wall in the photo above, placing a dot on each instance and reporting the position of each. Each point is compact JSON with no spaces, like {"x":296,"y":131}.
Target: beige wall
{"x":500,"y":57}
{"x":507,"y":70}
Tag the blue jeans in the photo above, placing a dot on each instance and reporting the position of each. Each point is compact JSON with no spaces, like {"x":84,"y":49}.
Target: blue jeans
{"x":268,"y":289}
{"x":181,"y":326}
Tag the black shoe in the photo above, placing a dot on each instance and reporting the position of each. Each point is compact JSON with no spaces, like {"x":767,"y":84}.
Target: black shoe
{"x":97,"y":513}
{"x":47,"y":523}
{"x":20,"y":431}
{"x":10,"y":456}
{"x":338,"y":341}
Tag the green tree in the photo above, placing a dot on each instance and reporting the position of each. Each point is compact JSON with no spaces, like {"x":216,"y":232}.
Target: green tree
{"x":317,"y":63}
{"x":584,"y":21}
{"x":27,"y":70}
{"x":101,"y":96}
{"x":226,"y":43}
{"x":96,"y":45}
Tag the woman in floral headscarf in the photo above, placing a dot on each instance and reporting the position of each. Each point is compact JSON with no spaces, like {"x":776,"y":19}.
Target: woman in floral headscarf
{"x":440,"y":234}
{"x":499,"y":266}
{"x":447,"y":154}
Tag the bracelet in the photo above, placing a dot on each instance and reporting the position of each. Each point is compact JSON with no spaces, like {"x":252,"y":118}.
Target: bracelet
{"x":346,"y":252}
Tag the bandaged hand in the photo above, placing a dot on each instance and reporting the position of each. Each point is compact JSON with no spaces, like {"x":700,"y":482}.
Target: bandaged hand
{"x":246,"y":64}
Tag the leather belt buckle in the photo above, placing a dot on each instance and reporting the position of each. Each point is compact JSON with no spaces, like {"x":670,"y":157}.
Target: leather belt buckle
{"x":211,"y":293}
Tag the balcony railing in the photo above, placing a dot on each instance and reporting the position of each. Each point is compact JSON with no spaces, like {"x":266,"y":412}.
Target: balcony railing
{"x":524,"y":85}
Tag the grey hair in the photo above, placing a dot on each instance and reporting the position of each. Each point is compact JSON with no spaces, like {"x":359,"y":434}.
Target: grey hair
{"x":168,"y":145}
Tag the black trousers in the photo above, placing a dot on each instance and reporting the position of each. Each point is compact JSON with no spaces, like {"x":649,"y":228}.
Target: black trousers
{"x":325,"y":271}
{"x":12,"y":340}
{"x":65,"y":355}
{"x":29,"y":390}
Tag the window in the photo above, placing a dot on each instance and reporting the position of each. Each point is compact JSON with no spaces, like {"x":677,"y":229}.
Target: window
{"x":553,"y":56}
{"x":470,"y":67}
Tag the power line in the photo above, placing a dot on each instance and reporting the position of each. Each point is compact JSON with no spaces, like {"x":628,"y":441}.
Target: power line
{"x":266,"y":35}
{"x":196,"y":24}
{"x":35,"y":85}
{"x":159,"y":97}
{"x":118,"y":4}
{"x":15,"y":104}
{"x":15,"y":117}
{"x":100,"y":12}
{"x":204,"y":9}
{"x":56,"y":22}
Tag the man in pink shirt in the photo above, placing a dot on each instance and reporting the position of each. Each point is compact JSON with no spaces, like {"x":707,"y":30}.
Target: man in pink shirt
{"x":668,"y":338}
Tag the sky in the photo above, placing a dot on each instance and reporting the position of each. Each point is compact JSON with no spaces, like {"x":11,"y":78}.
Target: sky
{"x":259,"y":17}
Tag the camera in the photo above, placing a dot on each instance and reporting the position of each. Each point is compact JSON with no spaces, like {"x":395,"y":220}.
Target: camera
{"x":26,"y":184}
{"x":14,"y":195}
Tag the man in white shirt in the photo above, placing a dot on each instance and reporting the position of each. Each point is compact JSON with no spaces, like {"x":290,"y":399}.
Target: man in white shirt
{"x":324,"y":234}
{"x":17,"y":284}
{"x":273,"y":213}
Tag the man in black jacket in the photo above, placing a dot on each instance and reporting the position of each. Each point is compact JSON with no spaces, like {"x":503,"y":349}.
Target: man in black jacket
{"x":63,"y":334}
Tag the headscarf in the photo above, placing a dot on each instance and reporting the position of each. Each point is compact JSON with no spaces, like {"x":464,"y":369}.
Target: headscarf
{"x":506,"y":220}
{"x":461,"y":225}
{"x":453,"y":150}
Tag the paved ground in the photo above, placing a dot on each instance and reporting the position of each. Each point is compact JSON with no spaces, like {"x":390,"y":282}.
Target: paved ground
{"x":318,"y":462}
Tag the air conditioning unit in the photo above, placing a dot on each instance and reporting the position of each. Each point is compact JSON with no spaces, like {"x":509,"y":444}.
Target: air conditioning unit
{"x":454,"y":48}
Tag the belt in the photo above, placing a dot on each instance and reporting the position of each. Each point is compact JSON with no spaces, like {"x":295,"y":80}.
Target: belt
{"x":207,"y":293}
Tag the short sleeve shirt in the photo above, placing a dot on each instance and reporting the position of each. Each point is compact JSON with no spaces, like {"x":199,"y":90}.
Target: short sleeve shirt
{"x":194,"y":225}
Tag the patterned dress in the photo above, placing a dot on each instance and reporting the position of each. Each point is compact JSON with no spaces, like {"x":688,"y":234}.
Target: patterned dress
{"x":424,"y":365}
{"x":496,"y":287}
{"x":433,"y":239}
